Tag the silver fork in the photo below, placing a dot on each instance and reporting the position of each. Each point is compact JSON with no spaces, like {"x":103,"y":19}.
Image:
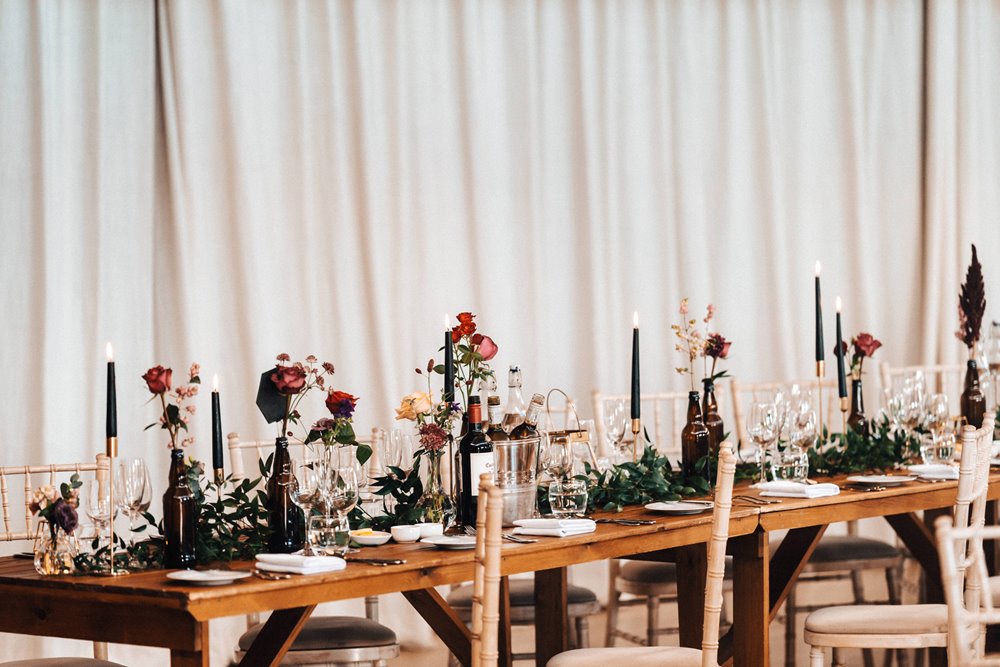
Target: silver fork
{"x":757,"y":500}
{"x":471,"y":530}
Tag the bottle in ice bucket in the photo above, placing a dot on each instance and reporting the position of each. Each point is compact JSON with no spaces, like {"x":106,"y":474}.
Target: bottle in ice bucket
{"x":514,"y":414}
{"x":529,"y":427}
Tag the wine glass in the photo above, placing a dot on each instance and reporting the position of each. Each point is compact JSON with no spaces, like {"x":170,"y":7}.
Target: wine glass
{"x":308,"y":482}
{"x":614,"y":426}
{"x":557,"y":458}
{"x":992,"y":353}
{"x":130,"y":480}
{"x":937,"y":413}
{"x":342,"y":496}
{"x":764,"y":428}
{"x":98,"y":507}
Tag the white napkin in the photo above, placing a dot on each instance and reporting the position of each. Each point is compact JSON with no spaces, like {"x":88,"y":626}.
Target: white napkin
{"x":554,"y":527}
{"x":797,"y":489}
{"x":296,"y":564}
{"x":935,"y":471}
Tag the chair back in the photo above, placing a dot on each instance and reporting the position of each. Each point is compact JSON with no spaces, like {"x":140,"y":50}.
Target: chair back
{"x":745,"y":394}
{"x":244,"y":452}
{"x":486,"y":583}
{"x":669,"y":411}
{"x":945,"y":379}
{"x":963,"y":562}
{"x":717,"y":555}
{"x":21,"y":481}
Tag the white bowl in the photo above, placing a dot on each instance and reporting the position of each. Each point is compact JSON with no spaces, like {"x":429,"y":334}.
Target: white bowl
{"x":431,"y":529}
{"x":371,"y":538}
{"x":405,"y":533}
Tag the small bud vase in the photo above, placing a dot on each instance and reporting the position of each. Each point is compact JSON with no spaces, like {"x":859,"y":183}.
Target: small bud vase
{"x":54,"y":549}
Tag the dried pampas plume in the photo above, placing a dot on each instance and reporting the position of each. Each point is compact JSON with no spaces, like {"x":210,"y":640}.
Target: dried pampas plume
{"x":972,"y":302}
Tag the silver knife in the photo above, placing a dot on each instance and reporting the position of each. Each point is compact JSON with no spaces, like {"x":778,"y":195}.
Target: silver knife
{"x":377,"y":561}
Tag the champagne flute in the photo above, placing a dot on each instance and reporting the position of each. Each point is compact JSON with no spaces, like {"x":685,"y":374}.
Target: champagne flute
{"x":342,"y":494}
{"x":98,"y":506}
{"x":764,"y":428}
{"x":614,"y":426}
{"x":309,"y":478}
{"x":130,"y":482}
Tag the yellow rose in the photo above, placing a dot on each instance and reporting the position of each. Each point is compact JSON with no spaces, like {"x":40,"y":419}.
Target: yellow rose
{"x":417,"y":403}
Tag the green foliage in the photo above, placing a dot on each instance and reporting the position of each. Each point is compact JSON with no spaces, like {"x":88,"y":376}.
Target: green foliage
{"x":404,"y":487}
{"x":852,"y":452}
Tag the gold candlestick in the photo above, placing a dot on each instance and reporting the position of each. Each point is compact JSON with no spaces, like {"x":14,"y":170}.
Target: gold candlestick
{"x":111,"y":449}
{"x":220,"y":478}
{"x":843,"y":414}
{"x":636,"y":430}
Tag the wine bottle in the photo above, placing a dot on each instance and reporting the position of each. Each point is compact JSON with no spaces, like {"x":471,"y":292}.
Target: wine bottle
{"x":284,"y":518}
{"x":694,"y":440}
{"x":180,"y":516}
{"x":495,"y":432}
{"x":529,"y":427}
{"x":514,"y":414}
{"x":476,"y":451}
{"x":711,"y":417}
{"x":856,"y":421}
{"x":973,"y":401}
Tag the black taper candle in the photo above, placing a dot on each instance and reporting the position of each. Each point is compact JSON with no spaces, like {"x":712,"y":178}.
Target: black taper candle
{"x":111,"y":421}
{"x":635,"y":406}
{"x":217,"y":456}
{"x":448,"y":392}
{"x":841,"y":376}
{"x":819,"y":318}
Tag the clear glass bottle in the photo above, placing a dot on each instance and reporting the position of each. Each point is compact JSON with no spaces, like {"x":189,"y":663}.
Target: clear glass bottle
{"x":514,"y":413}
{"x":529,"y":427}
{"x":476,"y":453}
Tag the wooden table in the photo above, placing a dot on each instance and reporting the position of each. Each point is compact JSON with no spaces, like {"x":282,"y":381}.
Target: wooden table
{"x":147,"y":609}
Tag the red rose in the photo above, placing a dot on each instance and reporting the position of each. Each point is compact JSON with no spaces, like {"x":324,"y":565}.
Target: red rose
{"x":466,"y":327}
{"x":456,"y":335}
{"x":158,"y":379}
{"x":843,"y":349}
{"x":717,"y":347}
{"x":341,"y":404}
{"x":487,"y":348}
{"x":466,"y":318}
{"x":865,"y":345}
{"x":289,"y":379}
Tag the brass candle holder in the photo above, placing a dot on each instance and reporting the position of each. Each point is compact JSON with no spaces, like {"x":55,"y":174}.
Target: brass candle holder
{"x":844,"y":407}
{"x":636,"y":430}
{"x":111,"y":449}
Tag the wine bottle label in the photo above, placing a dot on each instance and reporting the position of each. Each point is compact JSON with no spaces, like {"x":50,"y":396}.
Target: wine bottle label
{"x":478,"y":464}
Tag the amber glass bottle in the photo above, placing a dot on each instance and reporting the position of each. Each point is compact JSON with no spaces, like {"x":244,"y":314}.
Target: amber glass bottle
{"x":973,"y":400}
{"x":180,"y":516}
{"x":711,"y":417}
{"x":694,"y":439}
{"x":856,"y":420}
{"x":284,"y":518}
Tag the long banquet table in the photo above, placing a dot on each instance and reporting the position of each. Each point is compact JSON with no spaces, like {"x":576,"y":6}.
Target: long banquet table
{"x":148,"y":609}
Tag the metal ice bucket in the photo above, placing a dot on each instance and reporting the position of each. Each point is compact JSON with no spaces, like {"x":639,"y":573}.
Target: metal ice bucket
{"x":515,"y":466}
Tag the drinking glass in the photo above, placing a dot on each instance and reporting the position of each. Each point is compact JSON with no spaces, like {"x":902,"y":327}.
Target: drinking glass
{"x":557,"y":458}
{"x":764,"y":427}
{"x":308,"y":483}
{"x":568,"y":497}
{"x":790,"y":463}
{"x":804,"y":429}
{"x":130,"y":479}
{"x":615,"y":420}
{"x":992,"y":352}
{"x":937,"y":413}
{"x":326,"y":534}
{"x":98,"y":507}
{"x":342,"y":495}
{"x":944,"y":447}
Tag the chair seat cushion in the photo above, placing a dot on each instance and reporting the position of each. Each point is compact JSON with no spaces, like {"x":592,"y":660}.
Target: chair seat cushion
{"x":660,"y":656}
{"x":851,"y":548}
{"x":522,"y":594}
{"x":62,"y":662}
{"x":332,"y":632}
{"x":881,"y":619}
{"x":651,"y":572}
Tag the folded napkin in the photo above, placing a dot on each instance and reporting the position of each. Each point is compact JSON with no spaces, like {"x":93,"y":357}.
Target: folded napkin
{"x":554,"y":527}
{"x":296,"y":564}
{"x":797,"y":489}
{"x":935,"y":471}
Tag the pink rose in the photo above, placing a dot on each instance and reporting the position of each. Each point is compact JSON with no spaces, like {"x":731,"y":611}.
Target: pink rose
{"x":487,"y":348}
{"x":289,"y":379}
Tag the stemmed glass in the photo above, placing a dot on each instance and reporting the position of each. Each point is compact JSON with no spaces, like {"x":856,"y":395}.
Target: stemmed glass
{"x":764,"y":428}
{"x":98,"y":507}
{"x":992,"y":352}
{"x":307,"y":491}
{"x":342,"y":497}
{"x":130,"y":480}
{"x":557,"y":459}
{"x":615,"y":420}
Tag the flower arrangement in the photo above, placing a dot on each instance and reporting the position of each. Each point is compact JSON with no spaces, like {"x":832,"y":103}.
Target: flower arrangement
{"x":293,"y":380}
{"x":864,"y":345}
{"x":971,"y":304}
{"x":472,"y":352}
{"x":689,"y":340}
{"x":715,"y":347}
{"x":176,"y":410}
{"x":435,"y":420}
{"x":58,"y":507}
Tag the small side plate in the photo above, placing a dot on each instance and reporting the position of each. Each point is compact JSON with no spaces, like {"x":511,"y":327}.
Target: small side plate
{"x":207,"y":577}
{"x":451,"y":541}
{"x":680,"y":507}
{"x":880,"y":480}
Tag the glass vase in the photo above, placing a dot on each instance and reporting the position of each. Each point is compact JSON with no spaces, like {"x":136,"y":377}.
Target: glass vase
{"x":435,"y":504}
{"x":973,"y":401}
{"x":180,"y":516}
{"x":712,"y":418}
{"x":856,"y":420}
{"x":54,"y":549}
{"x":695,"y":441}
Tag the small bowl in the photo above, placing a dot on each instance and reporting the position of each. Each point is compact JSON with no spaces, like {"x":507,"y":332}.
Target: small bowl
{"x":405,"y":533}
{"x":430,"y":529}
{"x":370,"y":538}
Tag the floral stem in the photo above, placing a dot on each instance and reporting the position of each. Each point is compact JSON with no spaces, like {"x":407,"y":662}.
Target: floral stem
{"x":166,"y":420}
{"x":284,"y":421}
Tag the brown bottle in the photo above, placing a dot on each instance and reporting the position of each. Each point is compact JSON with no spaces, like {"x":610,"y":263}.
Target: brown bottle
{"x":856,"y":421}
{"x":694,"y":439}
{"x":180,"y":516}
{"x":529,"y":427}
{"x":284,"y":518}
{"x":711,"y":417}
{"x":973,"y":400}
{"x":495,"y":430}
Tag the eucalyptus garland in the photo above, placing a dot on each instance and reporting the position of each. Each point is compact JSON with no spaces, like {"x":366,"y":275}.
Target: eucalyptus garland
{"x":886,"y":449}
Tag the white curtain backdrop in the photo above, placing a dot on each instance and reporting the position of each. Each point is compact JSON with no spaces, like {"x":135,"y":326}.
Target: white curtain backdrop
{"x":222,"y":181}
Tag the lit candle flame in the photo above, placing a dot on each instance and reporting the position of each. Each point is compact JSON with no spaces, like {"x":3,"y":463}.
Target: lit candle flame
{"x":817,"y":268}
{"x":215,"y":382}
{"x":447,"y":322}
{"x":635,"y":319}
{"x":838,"y":304}
{"x":111,"y":356}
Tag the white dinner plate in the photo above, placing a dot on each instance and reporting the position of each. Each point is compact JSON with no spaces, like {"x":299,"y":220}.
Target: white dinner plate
{"x":681,"y":507}
{"x":207,"y":577}
{"x":451,"y":541}
{"x":881,"y":480}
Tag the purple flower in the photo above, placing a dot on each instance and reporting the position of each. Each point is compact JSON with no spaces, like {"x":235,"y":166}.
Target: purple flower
{"x":63,"y":515}
{"x":432,"y":437}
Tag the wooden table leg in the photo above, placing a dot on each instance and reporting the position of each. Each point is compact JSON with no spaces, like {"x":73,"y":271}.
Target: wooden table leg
{"x":503,"y":629}
{"x":788,"y":561}
{"x":276,"y":637}
{"x":751,"y":600}
{"x":444,"y":621}
{"x":692,"y":569}
{"x":551,"y":620}
{"x":185,"y":658}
